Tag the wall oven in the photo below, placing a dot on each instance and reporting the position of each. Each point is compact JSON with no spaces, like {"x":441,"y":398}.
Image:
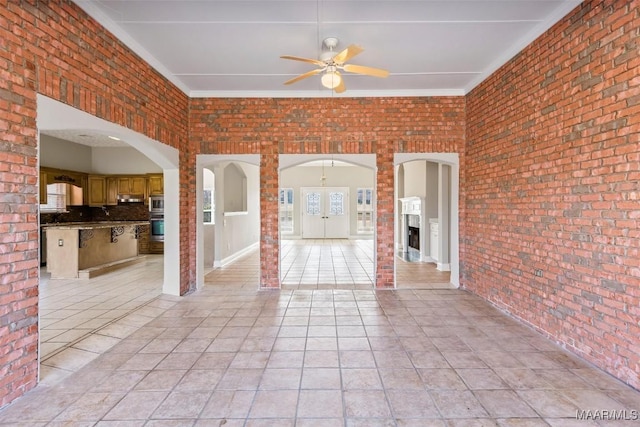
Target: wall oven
{"x":156,"y":226}
{"x":156,"y":218}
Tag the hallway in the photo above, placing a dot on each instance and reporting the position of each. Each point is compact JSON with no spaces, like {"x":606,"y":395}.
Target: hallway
{"x":243,"y":357}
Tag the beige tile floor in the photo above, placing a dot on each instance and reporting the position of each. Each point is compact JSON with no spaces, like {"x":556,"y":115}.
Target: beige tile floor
{"x":232,"y":355}
{"x":327,"y":263}
{"x":82,"y":318}
{"x":330,"y":264}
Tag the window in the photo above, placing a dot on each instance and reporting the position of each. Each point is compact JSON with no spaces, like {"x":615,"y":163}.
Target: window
{"x":208,"y":199}
{"x":364,"y":208}
{"x":208,"y":207}
{"x":286,"y":210}
{"x":56,"y":198}
{"x":313,"y":203}
{"x":336,"y":204}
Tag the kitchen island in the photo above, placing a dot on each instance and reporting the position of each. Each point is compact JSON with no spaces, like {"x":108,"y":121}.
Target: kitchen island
{"x":86,"y":249}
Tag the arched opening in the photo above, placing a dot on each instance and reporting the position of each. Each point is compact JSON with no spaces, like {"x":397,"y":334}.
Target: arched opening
{"x":69,"y":313}
{"x":228,"y":220}
{"x":326,"y":218}
{"x":426,"y":221}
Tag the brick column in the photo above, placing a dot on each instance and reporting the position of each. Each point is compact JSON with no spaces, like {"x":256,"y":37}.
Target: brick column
{"x":384,"y":222}
{"x":269,"y":239}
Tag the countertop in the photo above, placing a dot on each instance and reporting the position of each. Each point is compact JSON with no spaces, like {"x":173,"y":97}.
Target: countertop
{"x":92,"y":225}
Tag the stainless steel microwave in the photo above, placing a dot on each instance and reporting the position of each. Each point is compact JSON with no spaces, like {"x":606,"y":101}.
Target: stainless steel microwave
{"x":156,"y":204}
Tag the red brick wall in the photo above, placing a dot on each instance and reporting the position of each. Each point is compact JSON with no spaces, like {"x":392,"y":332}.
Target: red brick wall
{"x":552,"y":181}
{"x":381,"y":126}
{"x":53,"y":48}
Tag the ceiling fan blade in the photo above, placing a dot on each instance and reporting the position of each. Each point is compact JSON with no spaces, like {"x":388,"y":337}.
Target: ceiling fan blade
{"x":341,"y":87}
{"x":369,"y":71}
{"x":309,"y":60}
{"x":351,"y":51}
{"x":304,"y":76}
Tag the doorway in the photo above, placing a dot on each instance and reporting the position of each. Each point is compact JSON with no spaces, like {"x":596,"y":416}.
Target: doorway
{"x":325,"y":212}
{"x":325,"y":226}
{"x":75,"y":314}
{"x":228,"y":220}
{"x":426,"y":220}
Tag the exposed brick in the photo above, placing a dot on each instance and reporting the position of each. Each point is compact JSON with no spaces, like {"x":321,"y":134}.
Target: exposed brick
{"x":305,"y":126}
{"x":571,"y":91}
{"x":83,"y":66}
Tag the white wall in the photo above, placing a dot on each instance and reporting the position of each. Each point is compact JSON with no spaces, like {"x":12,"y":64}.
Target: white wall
{"x":61,"y":154}
{"x":353,"y":177}
{"x":431,"y":190}
{"x":241,"y":231}
{"x":209,"y":230}
{"x":414,"y":178}
{"x":121,"y":160}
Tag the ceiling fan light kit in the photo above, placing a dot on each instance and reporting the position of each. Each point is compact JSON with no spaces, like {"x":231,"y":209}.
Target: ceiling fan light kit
{"x":331,"y":62}
{"x":331,"y":78}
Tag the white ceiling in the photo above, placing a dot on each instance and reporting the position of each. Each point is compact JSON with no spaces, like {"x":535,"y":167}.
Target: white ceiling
{"x":87,"y":137}
{"x":232,"y":48}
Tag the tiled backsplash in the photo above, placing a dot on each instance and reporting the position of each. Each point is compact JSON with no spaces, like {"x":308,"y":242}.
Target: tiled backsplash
{"x":132,"y":212}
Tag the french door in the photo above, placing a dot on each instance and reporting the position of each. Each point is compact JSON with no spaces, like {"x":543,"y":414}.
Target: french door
{"x":325,"y":212}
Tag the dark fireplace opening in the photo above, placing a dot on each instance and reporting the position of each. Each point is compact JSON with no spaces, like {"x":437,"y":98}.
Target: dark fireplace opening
{"x":414,"y":238}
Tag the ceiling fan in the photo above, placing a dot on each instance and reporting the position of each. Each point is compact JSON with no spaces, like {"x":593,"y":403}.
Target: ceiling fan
{"x":331,"y":62}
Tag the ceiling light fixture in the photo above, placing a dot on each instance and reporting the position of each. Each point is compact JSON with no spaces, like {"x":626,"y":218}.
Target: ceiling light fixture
{"x":331,"y":79}
{"x":114,"y":138}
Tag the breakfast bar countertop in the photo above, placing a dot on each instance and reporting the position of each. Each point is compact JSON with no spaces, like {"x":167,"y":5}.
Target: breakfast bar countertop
{"x":85,"y":249}
{"x":91,"y":225}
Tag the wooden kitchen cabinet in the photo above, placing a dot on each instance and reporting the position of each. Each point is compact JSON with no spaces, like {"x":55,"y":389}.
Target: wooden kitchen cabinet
{"x":97,"y":194}
{"x":112,"y":190}
{"x":104,"y":190}
{"x":156,"y":247}
{"x":155,"y":185}
{"x":146,"y":245}
{"x":132,"y":185}
{"x":43,"y":187}
{"x":143,"y":240}
{"x":77,"y":182}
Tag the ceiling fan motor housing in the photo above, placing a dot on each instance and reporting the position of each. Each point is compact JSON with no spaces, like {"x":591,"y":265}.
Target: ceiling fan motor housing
{"x":330,"y":42}
{"x":327,"y":56}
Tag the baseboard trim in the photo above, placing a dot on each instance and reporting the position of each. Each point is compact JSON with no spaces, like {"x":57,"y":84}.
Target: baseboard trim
{"x":443,"y":267}
{"x":231,"y":258}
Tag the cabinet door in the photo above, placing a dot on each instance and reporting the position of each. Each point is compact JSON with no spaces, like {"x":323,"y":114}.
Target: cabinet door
{"x":143,"y":240}
{"x":156,"y":185}
{"x":43,"y":187}
{"x":156,"y":247}
{"x":138,"y":185}
{"x":97,"y":191}
{"x":112,"y":191}
{"x":123,"y":185}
